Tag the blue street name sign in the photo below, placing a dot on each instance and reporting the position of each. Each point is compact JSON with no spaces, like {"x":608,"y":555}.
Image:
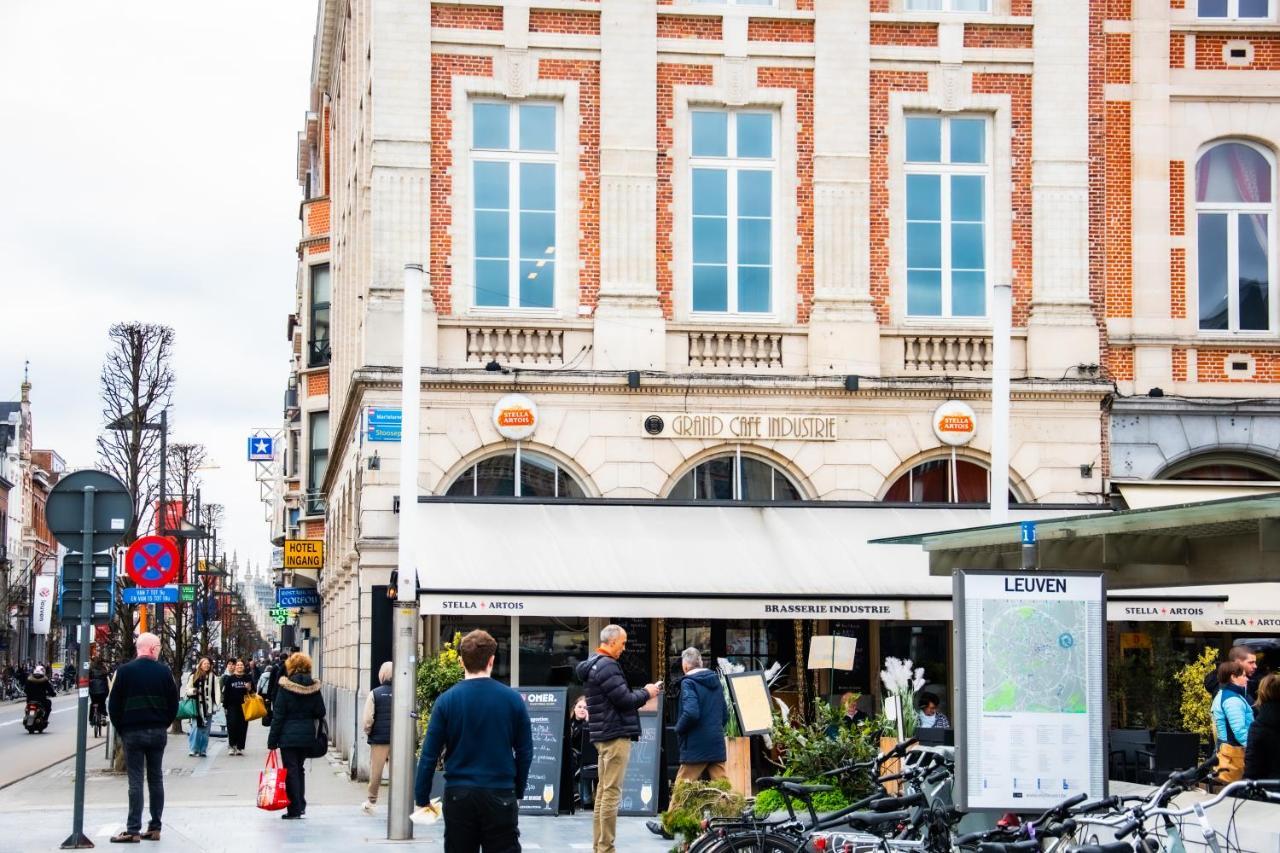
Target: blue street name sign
{"x":156,"y":595}
{"x":297,"y":596}
{"x":382,"y":424}
{"x":261,"y":448}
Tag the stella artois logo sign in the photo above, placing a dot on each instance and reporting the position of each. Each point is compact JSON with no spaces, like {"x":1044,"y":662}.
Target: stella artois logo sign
{"x":954,"y":423}
{"x":515,"y":416}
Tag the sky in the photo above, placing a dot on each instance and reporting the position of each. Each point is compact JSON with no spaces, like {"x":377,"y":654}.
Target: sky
{"x":148,"y":172}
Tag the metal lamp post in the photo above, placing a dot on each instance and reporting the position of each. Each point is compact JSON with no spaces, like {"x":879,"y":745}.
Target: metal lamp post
{"x":124,"y":423}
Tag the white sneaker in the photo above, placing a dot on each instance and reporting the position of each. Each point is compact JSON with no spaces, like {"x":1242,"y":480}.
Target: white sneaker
{"x":367,"y":807}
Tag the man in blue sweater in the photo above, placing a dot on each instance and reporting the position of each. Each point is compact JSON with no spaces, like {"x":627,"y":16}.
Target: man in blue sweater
{"x":482,"y":728}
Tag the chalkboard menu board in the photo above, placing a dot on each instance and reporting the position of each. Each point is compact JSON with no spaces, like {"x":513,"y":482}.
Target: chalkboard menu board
{"x":640,"y":783}
{"x":546,"y":714}
{"x":636,"y":662}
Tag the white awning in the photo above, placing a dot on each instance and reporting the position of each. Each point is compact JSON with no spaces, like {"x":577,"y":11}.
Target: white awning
{"x":1144,"y":494}
{"x":681,"y":561}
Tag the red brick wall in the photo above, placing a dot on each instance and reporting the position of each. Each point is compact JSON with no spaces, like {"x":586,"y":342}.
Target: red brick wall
{"x":907,"y":34}
{"x":1179,"y":361}
{"x":1178,"y":283}
{"x":563,"y":21}
{"x":317,"y":218}
{"x":313,"y":529}
{"x":1118,"y":57}
{"x":1177,"y":4}
{"x":325,"y":154}
{"x":1211,"y":365}
{"x":318,"y":248}
{"x":689,"y":27}
{"x":1018,"y":87}
{"x":467,"y":17}
{"x":1177,"y":198}
{"x":1118,"y":217}
{"x":587,"y":75}
{"x":779,"y":29}
{"x":443,"y":68}
{"x":669,"y":76}
{"x":1266,"y":51}
{"x":318,"y":384}
{"x":997,"y":35}
{"x":1021,"y":8}
{"x":1120,"y":363}
{"x":1119,"y":10}
{"x":879,"y":5}
{"x":804,"y":5}
{"x":1177,"y":50}
{"x":882,"y":83}
{"x":801,"y":80}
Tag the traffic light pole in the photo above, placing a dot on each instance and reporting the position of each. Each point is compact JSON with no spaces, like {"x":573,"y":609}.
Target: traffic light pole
{"x":78,"y":840}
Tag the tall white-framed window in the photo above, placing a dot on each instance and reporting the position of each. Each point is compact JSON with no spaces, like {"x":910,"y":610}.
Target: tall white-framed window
{"x":733,"y":167}
{"x":948,"y":5}
{"x":1235,"y":10}
{"x":1235,"y":238}
{"x":948,"y":181}
{"x":513,"y":168}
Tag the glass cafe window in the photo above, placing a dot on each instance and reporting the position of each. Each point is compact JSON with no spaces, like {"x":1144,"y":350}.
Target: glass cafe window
{"x":1235,"y":233}
{"x":947,"y":176}
{"x":524,"y":475}
{"x":936,"y":482}
{"x":550,"y":648}
{"x":735,"y":477}
{"x":1239,"y":10}
{"x":513,"y":160}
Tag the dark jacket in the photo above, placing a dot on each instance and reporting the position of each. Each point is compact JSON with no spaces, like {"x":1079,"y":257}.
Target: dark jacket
{"x":234,"y":689}
{"x":380,"y":729}
{"x":99,"y":680}
{"x":143,"y":696}
{"x":293,"y":716}
{"x":39,"y":689}
{"x":612,"y":707}
{"x":700,"y":726}
{"x":1262,"y":752}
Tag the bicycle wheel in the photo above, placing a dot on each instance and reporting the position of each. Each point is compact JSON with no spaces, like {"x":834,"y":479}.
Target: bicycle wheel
{"x":749,"y":842}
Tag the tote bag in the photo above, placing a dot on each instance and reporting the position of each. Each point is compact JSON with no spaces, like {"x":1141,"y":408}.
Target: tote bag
{"x":187,"y":708}
{"x":253,"y":708}
{"x":272,"y":795}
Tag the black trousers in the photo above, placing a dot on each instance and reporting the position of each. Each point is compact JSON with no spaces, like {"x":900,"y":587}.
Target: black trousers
{"x":478,"y":819}
{"x":295,"y":778}
{"x":237,"y":728}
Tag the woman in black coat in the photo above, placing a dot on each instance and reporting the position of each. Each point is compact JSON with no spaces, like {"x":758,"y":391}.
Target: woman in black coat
{"x":1262,"y":750}
{"x":235,"y":687}
{"x":294,"y":715}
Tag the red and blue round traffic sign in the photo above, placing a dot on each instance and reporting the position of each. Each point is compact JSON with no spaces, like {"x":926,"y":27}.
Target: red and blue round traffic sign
{"x":152,"y":561}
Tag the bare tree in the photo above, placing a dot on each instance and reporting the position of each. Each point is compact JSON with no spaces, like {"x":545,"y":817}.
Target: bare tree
{"x":137,"y":385}
{"x":211,"y":516}
{"x":185,"y":461}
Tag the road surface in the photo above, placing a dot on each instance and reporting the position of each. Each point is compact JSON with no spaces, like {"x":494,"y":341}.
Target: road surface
{"x":24,"y":753}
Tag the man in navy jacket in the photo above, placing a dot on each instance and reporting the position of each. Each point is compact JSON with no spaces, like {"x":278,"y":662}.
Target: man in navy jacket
{"x":700,"y":726}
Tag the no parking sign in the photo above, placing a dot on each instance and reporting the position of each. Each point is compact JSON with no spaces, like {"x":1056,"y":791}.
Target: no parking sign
{"x":152,"y":561}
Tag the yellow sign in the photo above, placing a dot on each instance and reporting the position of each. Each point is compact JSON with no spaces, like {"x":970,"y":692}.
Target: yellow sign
{"x":303,"y":553}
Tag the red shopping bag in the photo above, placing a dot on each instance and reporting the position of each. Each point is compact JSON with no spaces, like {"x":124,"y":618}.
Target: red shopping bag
{"x":272,"y":795}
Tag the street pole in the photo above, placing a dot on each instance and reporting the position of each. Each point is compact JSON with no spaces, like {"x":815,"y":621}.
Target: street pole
{"x":78,"y":840}
{"x":1001,"y":322}
{"x":405,"y":642}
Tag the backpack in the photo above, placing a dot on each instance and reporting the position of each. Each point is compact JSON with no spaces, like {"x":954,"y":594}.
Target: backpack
{"x":264,"y":681}
{"x":320,"y":747}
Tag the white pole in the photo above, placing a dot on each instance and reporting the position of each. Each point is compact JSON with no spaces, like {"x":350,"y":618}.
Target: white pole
{"x":1000,"y":357}
{"x":405,"y":642}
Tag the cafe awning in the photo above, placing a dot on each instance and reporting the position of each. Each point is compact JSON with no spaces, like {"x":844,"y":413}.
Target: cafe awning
{"x":683,"y":560}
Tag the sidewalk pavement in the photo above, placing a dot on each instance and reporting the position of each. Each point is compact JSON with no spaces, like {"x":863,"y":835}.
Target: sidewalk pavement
{"x":210,"y":808}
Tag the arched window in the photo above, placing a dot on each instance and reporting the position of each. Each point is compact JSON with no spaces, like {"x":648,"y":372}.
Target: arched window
{"x":735,"y":476}
{"x":935,"y":481}
{"x":523,"y":475}
{"x":1239,"y":467}
{"x":1235,"y":226}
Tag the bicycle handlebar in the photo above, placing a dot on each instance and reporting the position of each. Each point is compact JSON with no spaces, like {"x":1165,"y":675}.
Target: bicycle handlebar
{"x":1195,"y":774}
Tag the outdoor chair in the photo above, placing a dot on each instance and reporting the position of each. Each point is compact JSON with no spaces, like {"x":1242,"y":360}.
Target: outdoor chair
{"x":1172,"y":751}
{"x":1123,"y":752}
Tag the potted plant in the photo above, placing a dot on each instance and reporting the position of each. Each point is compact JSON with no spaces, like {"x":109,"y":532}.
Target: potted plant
{"x":901,"y":679}
{"x":737,"y":749}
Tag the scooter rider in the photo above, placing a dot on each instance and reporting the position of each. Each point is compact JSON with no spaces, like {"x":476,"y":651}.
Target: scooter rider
{"x":40,"y":690}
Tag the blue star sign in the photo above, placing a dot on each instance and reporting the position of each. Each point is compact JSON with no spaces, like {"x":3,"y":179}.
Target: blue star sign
{"x":261,"y":448}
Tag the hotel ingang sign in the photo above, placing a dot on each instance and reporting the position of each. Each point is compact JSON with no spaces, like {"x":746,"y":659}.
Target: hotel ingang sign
{"x":304,"y":553}
{"x":800,"y":427}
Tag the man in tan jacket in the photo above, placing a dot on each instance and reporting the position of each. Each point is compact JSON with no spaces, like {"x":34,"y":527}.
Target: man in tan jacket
{"x":377,"y":726}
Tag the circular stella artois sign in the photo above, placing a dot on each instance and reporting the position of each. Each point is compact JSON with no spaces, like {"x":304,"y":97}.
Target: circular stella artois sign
{"x":515,"y":416}
{"x":954,"y":423}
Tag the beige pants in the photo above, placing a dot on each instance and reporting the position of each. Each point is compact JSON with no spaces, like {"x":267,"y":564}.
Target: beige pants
{"x":693,"y":772}
{"x":378,"y":755}
{"x":612,"y":764}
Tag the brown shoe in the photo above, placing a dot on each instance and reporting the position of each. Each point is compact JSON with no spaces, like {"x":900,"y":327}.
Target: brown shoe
{"x":152,"y":835}
{"x":126,"y":838}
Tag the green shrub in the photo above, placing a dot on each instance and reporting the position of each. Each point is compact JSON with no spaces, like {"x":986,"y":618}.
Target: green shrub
{"x":770,"y":801}
{"x":691,"y":802}
{"x":810,"y":749}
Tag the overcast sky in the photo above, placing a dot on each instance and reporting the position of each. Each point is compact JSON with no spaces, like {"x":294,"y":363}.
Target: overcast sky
{"x":148,"y":162}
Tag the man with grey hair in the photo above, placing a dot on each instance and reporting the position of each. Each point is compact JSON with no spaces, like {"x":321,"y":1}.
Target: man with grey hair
{"x":377,"y":726}
{"x":142,"y":705}
{"x":700,"y":725}
{"x":613,"y":719}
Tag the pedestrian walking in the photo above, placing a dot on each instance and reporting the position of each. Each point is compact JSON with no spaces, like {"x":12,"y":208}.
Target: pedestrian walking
{"x":294,"y":717}
{"x":699,"y":726}
{"x":202,"y":686}
{"x":613,"y":709}
{"x":234,"y":688}
{"x":482,"y":727}
{"x":142,"y":705}
{"x":377,"y":729}
{"x":1262,"y":752}
{"x":1232,"y":717}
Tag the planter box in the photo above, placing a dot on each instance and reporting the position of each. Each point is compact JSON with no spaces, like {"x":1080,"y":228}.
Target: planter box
{"x":890,"y":767}
{"x":738,"y":763}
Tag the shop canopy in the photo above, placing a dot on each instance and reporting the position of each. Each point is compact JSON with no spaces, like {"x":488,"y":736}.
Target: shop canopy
{"x":700,"y":560}
{"x":1231,"y":541}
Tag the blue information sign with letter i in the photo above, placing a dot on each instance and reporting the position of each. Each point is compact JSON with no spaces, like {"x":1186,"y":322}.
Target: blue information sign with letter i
{"x":1028,"y":533}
